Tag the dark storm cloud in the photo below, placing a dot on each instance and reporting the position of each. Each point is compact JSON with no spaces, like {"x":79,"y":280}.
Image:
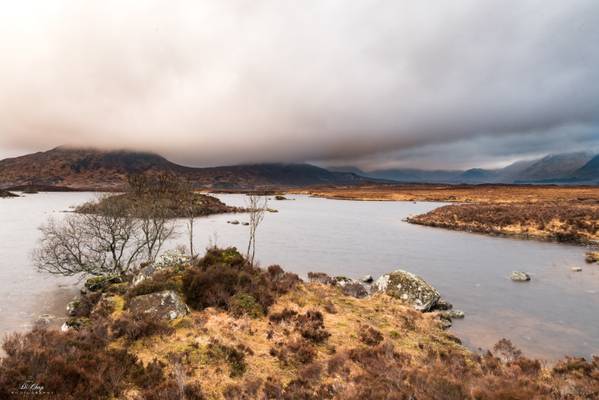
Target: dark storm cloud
{"x":235,"y":81}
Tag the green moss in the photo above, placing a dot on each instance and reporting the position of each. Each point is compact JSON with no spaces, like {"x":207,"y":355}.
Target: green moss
{"x":232,"y":356}
{"x":99,"y":283}
{"x":245,"y":304}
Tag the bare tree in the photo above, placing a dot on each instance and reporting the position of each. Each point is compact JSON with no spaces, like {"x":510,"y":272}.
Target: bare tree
{"x":257,"y":206}
{"x":152,"y":195}
{"x":186,"y":197}
{"x":90,"y":244}
{"x":155,"y":227}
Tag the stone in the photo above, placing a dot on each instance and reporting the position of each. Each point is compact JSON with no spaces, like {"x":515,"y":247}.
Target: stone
{"x":72,"y":307}
{"x":45,"y":319}
{"x":592,"y":257}
{"x":245,"y":223}
{"x":169,"y":260}
{"x":452,"y":314}
{"x":367,"y":279}
{"x":101,"y":282}
{"x":160,"y":305}
{"x":74,"y":323}
{"x":234,"y":222}
{"x":576,"y":269}
{"x":409,"y":288}
{"x":519,"y":276}
{"x":352,"y":287}
{"x":443,"y":305}
{"x":320,"y":277}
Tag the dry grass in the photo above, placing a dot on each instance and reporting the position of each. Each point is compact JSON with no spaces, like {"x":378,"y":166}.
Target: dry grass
{"x":559,"y":221}
{"x":457,"y":193}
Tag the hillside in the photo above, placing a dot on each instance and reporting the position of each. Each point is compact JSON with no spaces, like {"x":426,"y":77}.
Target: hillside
{"x":108,"y":170}
{"x":588,"y":172}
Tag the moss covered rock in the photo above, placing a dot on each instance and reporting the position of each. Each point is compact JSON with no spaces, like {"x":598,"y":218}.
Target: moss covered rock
{"x":99,"y":283}
{"x":161,"y":305}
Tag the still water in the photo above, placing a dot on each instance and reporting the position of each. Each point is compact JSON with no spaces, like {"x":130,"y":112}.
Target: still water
{"x":553,"y":315}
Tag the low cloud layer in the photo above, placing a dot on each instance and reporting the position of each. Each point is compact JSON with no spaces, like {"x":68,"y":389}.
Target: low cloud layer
{"x":217,"y":82}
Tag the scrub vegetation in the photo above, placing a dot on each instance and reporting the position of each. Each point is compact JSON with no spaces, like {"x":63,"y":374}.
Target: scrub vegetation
{"x":256,"y":333}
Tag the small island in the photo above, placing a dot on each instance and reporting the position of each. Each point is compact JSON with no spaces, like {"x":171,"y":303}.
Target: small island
{"x":6,"y":194}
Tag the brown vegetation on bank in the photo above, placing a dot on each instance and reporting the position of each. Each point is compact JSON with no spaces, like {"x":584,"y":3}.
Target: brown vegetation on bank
{"x":562,"y":222}
{"x":310,"y":341}
{"x":457,"y":193}
{"x":560,"y":213}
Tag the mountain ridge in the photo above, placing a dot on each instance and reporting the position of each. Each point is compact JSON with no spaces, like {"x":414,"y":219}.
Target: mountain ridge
{"x":88,"y":168}
{"x":566,"y":168}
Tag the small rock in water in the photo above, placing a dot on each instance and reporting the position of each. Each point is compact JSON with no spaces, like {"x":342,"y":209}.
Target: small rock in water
{"x":519,"y":276}
{"x":45,"y":319}
{"x":234,"y":222}
{"x":443,"y":305}
{"x":451,"y":314}
{"x":576,"y":269}
{"x":245,"y":223}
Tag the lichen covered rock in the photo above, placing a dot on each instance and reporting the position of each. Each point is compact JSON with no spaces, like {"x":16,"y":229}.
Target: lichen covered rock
{"x":519,"y":276}
{"x":161,"y":305}
{"x":409,"y":288}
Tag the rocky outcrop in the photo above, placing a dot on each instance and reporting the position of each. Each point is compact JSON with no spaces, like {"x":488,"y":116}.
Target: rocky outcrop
{"x":519,"y":276}
{"x":409,"y":288}
{"x":592,"y":257}
{"x":161,"y":305}
{"x":169,"y":260}
{"x":348,"y":286}
{"x":352,"y":287}
{"x":99,"y":283}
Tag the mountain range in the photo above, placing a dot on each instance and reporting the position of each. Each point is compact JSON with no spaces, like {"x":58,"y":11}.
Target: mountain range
{"x":80,"y":169}
{"x":563,"y":168}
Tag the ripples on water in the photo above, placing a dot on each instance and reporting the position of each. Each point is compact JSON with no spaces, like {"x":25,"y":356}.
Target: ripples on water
{"x":553,"y":315}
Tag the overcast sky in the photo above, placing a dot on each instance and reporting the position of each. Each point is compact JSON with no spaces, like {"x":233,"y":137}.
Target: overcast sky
{"x":431,"y":84}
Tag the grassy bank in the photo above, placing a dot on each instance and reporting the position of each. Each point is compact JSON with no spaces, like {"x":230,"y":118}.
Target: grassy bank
{"x":564,"y":214}
{"x":262,"y":333}
{"x":557,"y":221}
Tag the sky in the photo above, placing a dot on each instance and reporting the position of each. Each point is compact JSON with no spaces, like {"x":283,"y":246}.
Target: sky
{"x":371,"y":83}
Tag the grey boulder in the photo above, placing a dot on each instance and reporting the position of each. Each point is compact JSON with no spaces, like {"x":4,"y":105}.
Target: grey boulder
{"x":409,"y":288}
{"x":161,"y":305}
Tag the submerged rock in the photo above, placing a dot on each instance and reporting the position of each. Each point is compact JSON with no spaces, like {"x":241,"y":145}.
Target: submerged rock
{"x":161,"y":305}
{"x":519,"y":276}
{"x":409,"y":288}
